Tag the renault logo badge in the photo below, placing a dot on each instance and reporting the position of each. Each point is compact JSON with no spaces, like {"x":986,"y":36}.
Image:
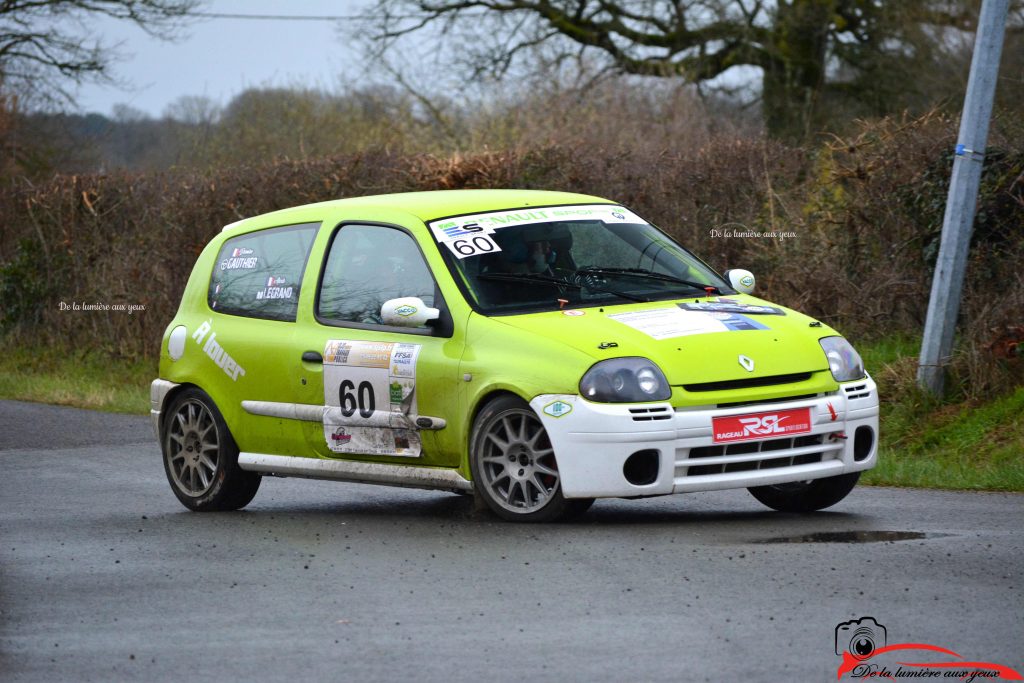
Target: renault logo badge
{"x":747,"y":363}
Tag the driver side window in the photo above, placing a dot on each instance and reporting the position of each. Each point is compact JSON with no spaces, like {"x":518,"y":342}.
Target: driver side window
{"x":366,"y":266}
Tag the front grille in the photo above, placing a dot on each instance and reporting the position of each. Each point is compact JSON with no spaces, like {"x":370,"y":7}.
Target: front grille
{"x":783,"y":399}
{"x":857,"y":391}
{"x":757,"y":455}
{"x":647,"y":414}
{"x":749,"y":383}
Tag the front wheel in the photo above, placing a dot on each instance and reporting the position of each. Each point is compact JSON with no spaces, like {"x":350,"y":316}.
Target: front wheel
{"x":514,"y":467}
{"x":806,"y":496}
{"x":201,"y":458}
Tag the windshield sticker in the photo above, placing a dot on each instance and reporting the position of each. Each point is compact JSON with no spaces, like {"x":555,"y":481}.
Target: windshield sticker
{"x":667,"y":323}
{"x":484,"y":224}
{"x":239,"y":263}
{"x":370,"y":397}
{"x":471,"y":246}
{"x":729,"y":306}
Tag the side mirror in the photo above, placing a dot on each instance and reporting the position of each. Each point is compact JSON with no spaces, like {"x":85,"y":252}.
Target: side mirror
{"x":741,"y":280}
{"x":407,"y":311}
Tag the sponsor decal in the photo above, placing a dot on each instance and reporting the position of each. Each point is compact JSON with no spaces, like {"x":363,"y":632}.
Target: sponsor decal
{"x":666,"y":323}
{"x":241,"y":251}
{"x":572,"y":312}
{"x":729,"y":306}
{"x":340,"y":436}
{"x":862,"y":644}
{"x":212,"y":348}
{"x":455,"y":230}
{"x":746,"y":362}
{"x":747,"y":281}
{"x":370,"y":393}
{"x":482,"y":225}
{"x":239,"y":263}
{"x":275,"y":281}
{"x":761,"y":425}
{"x":271,"y":292}
{"x":557,"y":409}
{"x":406,"y":310}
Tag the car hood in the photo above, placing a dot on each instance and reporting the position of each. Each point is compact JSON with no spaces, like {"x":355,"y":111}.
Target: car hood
{"x":693,"y":341}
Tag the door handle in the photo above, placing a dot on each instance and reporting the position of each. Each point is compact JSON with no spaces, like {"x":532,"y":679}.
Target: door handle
{"x":312,"y":357}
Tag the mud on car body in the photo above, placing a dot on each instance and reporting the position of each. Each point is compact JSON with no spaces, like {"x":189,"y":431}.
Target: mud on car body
{"x":538,"y":349}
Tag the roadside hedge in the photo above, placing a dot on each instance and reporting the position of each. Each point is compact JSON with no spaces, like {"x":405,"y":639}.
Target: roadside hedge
{"x":847,"y":231}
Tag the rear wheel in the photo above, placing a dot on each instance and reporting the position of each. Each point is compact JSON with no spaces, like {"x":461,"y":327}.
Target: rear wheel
{"x":514,"y":467}
{"x":806,"y":496}
{"x":201,"y":458}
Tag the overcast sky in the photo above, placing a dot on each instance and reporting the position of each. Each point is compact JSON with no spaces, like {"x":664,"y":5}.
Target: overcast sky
{"x":221,"y":57}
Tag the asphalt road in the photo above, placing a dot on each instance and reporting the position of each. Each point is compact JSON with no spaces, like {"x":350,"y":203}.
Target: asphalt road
{"x":105,"y":577}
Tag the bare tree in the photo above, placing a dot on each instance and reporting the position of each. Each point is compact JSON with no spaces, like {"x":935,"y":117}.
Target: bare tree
{"x":811,"y":55}
{"x":46,"y":45}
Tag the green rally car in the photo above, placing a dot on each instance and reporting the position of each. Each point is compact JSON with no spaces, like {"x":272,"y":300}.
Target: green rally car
{"x":538,"y":349}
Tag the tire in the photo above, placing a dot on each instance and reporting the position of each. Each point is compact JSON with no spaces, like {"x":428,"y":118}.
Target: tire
{"x":513,"y":465}
{"x":806,"y":496}
{"x":201,"y":458}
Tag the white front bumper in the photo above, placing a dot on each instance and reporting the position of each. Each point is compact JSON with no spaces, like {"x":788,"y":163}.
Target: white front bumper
{"x":593,"y":441}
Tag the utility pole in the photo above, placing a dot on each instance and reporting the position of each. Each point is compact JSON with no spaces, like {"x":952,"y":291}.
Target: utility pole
{"x":958,"y":222}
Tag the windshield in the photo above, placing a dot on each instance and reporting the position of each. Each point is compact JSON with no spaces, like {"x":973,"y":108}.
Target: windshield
{"x":537,"y":259}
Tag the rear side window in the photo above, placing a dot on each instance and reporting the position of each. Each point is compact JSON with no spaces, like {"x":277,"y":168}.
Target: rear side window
{"x":258,"y":274}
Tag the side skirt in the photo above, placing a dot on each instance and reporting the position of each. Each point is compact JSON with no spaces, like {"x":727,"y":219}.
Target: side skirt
{"x":364,"y":472}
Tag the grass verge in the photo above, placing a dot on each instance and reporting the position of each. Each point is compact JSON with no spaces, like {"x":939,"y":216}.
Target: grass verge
{"x":76,"y":378}
{"x":951,"y":444}
{"x":974,"y":445}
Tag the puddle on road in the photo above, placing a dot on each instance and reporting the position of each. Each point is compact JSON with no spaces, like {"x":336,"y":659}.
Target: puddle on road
{"x":854,"y":537}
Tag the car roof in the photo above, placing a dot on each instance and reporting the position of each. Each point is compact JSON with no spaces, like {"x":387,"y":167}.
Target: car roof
{"x":431,"y":205}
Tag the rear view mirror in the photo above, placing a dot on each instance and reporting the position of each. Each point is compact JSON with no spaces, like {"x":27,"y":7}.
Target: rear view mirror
{"x":741,"y":280}
{"x":407,"y":311}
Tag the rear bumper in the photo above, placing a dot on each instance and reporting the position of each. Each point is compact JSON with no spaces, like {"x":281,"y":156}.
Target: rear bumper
{"x":158,"y":391}
{"x":593,"y":441}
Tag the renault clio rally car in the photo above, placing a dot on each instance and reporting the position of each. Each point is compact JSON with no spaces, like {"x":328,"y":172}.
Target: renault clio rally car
{"x":537,"y":349}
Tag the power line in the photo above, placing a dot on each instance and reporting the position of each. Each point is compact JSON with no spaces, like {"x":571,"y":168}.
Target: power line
{"x":313,"y":17}
{"x":286,"y":17}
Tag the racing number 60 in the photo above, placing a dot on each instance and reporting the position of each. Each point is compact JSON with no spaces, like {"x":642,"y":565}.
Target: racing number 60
{"x":468,"y":247}
{"x":361,"y":398}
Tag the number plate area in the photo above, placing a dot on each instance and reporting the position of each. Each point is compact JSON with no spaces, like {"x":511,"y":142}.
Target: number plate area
{"x":370,"y":394}
{"x":761,"y":425}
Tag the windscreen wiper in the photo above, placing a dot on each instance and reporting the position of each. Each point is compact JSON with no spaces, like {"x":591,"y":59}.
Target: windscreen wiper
{"x":536,"y":278}
{"x":649,"y":274}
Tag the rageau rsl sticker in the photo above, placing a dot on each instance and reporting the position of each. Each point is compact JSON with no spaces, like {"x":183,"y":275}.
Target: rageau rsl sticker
{"x":370,"y":394}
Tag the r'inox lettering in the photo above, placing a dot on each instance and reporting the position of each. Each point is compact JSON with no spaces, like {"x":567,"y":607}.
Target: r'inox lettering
{"x":216,"y":352}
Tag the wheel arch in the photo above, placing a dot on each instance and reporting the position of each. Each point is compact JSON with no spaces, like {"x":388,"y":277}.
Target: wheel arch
{"x":169,"y":398}
{"x":479,"y":403}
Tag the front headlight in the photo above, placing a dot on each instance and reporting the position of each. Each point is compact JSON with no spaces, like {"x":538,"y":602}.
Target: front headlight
{"x":843,"y":360}
{"x":625,"y":380}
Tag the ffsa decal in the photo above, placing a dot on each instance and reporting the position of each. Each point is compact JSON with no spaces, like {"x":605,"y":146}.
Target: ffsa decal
{"x":216,"y":352}
{"x":370,"y":394}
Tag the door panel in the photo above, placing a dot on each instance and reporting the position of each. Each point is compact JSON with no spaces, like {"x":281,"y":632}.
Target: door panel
{"x":385,"y":389}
